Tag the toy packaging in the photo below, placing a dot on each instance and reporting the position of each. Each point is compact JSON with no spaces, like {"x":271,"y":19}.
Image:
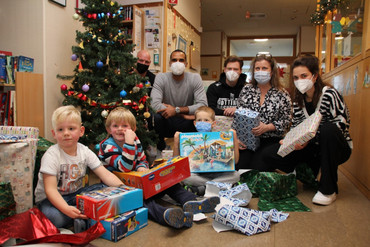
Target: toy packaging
{"x":244,"y":121}
{"x":123,"y":225}
{"x":208,"y":151}
{"x":109,"y":201}
{"x":301,"y":134}
{"x":158,"y":178}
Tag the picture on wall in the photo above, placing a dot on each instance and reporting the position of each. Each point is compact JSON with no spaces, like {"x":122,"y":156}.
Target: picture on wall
{"x":181,"y":44}
{"x":60,"y":2}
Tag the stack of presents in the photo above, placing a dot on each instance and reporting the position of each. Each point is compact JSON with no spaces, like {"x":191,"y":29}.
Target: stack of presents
{"x":120,"y":209}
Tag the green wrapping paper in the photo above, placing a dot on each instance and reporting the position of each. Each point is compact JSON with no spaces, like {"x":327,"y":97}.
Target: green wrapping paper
{"x":291,"y":204}
{"x":7,"y":203}
{"x":306,"y":176}
{"x":42,"y":146}
{"x":274,"y":190}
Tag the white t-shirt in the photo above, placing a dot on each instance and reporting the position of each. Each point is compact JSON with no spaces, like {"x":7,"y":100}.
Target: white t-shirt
{"x":69,"y":170}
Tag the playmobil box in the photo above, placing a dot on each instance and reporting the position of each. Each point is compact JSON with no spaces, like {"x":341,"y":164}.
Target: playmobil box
{"x":244,"y":121}
{"x":158,"y":178}
{"x":123,"y":225}
{"x":208,"y":151}
{"x":109,"y":201}
{"x":301,"y":134}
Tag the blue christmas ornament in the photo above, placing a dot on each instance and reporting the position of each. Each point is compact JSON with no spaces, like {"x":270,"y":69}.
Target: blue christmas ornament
{"x":99,"y":64}
{"x":74,"y":57}
{"x":97,"y":147}
{"x":123,"y":93}
{"x":102,"y":15}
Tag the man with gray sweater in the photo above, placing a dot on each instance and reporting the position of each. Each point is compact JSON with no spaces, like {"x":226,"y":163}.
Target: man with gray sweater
{"x":175,"y":97}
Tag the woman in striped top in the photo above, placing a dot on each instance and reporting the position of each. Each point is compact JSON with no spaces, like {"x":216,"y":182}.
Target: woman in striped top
{"x":332,"y":144}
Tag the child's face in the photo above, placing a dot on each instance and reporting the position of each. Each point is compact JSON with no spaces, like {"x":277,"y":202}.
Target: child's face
{"x":118,"y":129}
{"x":67,"y":133}
{"x":203,"y":117}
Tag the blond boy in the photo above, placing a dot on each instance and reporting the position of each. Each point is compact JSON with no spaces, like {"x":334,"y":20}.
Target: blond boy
{"x":63,"y":168}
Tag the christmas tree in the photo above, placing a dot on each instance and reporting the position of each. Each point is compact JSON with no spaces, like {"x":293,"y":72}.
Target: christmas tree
{"x":104,"y":78}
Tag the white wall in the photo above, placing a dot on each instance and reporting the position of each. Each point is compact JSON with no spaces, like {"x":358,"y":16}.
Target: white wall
{"x":21,"y":29}
{"x":211,"y":43}
{"x":59,"y":37}
{"x":191,"y":11}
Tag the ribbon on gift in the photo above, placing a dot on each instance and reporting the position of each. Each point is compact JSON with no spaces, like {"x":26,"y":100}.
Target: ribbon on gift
{"x":248,"y":221}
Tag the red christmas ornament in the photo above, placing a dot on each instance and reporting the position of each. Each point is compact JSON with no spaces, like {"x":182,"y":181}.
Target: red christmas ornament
{"x":84,"y":98}
{"x":140,"y":85}
{"x":63,"y":87}
{"x":80,"y":68}
{"x":70,"y":93}
{"x":93,"y":103}
{"x":94,"y":16}
{"x":80,"y":95}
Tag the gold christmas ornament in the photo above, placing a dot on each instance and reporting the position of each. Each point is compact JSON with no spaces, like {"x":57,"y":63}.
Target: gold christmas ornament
{"x":141,"y":106}
{"x":146,"y":114}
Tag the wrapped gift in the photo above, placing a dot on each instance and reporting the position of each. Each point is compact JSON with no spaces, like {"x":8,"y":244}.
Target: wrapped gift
{"x":109,"y":201}
{"x":301,"y":134}
{"x":17,"y":162}
{"x":244,"y":121}
{"x":158,"y":178}
{"x":222,"y":123}
{"x":208,"y":151}
{"x":123,"y":225}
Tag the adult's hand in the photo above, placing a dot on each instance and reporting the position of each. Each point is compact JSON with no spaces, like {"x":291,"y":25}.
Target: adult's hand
{"x":168,"y":112}
{"x":229,"y":111}
{"x":261,"y":128}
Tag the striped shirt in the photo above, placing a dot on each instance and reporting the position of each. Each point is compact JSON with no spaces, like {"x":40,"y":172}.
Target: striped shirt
{"x":333,"y":110}
{"x":125,"y":159}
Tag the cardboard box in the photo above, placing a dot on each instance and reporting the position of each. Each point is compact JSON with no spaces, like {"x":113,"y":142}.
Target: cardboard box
{"x":301,"y":134}
{"x":208,"y":151}
{"x":123,"y":225}
{"x":244,"y":121}
{"x":109,"y":201}
{"x":158,"y":178}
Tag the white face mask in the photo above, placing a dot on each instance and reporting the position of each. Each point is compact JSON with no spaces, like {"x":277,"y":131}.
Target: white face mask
{"x":303,"y":85}
{"x":262,"y":77}
{"x":232,"y":76}
{"x":178,"y":68}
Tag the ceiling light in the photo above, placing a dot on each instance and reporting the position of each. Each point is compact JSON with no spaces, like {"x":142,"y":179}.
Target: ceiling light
{"x":261,"y":40}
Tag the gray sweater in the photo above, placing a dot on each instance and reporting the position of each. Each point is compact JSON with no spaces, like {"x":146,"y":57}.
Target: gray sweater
{"x":187,"y":92}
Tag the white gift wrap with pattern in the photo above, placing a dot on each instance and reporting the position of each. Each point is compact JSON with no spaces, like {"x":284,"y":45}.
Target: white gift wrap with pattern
{"x":244,"y":121}
{"x":222,"y":123}
{"x":301,"y":134}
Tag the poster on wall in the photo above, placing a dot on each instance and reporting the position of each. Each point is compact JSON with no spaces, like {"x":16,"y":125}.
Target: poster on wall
{"x":181,"y":43}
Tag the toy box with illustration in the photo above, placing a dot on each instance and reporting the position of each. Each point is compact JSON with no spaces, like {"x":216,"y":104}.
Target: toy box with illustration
{"x":109,"y":201}
{"x":123,"y":225}
{"x":208,"y":151}
{"x":158,"y":178}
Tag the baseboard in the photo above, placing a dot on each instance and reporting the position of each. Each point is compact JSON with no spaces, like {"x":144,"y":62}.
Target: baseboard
{"x":356,"y":182}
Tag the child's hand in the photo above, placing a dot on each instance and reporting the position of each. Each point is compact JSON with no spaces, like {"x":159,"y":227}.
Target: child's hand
{"x":130,"y":136}
{"x":142,"y":169}
{"x":74,"y":213}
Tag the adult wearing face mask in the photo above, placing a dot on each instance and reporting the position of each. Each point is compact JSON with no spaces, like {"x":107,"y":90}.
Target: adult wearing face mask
{"x":332,"y":144}
{"x":142,"y":66}
{"x":175,"y":97}
{"x":223,"y":94}
{"x":264,"y":94}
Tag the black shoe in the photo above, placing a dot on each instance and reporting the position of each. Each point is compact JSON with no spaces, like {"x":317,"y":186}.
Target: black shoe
{"x":79,"y":225}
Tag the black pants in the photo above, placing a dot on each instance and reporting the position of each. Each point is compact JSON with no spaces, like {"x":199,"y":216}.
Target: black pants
{"x":176,"y":192}
{"x":249,"y":159}
{"x":333,"y":150}
{"x":168,"y":127}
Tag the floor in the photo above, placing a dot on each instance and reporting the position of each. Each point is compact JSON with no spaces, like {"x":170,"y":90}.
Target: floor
{"x":344,"y":223}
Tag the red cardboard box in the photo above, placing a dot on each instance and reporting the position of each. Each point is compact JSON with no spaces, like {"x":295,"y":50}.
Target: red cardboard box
{"x":158,"y":178}
{"x":109,"y":201}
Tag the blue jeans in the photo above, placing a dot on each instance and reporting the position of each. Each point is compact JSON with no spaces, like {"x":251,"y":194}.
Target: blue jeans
{"x":57,"y":217}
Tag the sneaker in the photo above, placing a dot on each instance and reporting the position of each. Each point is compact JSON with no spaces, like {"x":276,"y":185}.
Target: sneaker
{"x":79,"y":225}
{"x":177,"y":218}
{"x":199,"y":191}
{"x":207,"y":205}
{"x":322,"y":199}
